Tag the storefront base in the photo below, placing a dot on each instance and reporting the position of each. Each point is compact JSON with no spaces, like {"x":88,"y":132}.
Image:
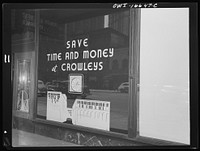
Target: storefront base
{"x":25,"y":139}
{"x":73,"y":136}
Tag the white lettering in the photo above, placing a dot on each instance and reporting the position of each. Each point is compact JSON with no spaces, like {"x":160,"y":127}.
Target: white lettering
{"x":68,"y":44}
{"x":111,"y":51}
{"x":99,"y":53}
{"x":85,"y":42}
{"x":48,"y":55}
{"x":76,"y":55}
{"x":90,"y":66}
{"x":54,"y":57}
{"x":59,"y":56}
{"x":101,"y":65}
{"x":73,"y":44}
{"x":95,"y":66}
{"x":105,"y":53}
{"x":67,"y":56}
{"x":73,"y":64}
{"x":115,"y":5}
{"x":79,"y":42}
{"x":93,"y":56}
{"x":71,"y":55}
{"x":80,"y":66}
{"x":84,"y":67}
{"x":68,"y":66}
{"x":86,"y":54}
{"x":64,"y":64}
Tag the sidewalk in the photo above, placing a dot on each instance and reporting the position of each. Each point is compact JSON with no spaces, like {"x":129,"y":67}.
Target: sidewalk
{"x":26,"y":139}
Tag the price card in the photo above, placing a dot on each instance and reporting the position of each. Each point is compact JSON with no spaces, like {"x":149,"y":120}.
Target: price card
{"x":57,"y":106}
{"x":92,"y":113}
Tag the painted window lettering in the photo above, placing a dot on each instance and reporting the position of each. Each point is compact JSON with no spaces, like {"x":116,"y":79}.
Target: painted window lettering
{"x":77,"y":43}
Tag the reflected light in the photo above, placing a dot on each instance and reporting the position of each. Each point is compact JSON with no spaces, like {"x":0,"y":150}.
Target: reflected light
{"x":22,"y":79}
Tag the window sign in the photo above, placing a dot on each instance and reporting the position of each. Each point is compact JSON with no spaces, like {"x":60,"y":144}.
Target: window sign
{"x":88,"y":63}
{"x":63,"y":59}
{"x":91,"y":113}
{"x":76,"y":83}
{"x":56,"y":106}
{"x":88,"y":113}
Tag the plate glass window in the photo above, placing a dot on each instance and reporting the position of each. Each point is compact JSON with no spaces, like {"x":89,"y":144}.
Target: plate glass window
{"x":95,"y":47}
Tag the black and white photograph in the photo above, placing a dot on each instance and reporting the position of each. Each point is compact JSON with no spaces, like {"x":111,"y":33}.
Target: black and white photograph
{"x":101,"y":75}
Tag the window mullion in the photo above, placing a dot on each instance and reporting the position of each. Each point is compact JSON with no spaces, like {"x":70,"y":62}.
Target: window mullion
{"x":133,"y":72}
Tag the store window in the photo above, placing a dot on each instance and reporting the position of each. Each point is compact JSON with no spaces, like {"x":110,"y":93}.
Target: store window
{"x":164,"y":103}
{"x":22,"y":48}
{"x":80,"y":81}
{"x":89,"y":75}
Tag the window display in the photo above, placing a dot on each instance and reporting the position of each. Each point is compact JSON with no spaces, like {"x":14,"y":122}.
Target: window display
{"x":81,"y":65}
{"x":114,"y":73}
{"x":91,"y":113}
{"x":76,"y":83}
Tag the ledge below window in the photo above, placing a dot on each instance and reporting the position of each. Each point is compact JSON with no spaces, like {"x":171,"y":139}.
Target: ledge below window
{"x":144,"y":141}
{"x":89,"y":130}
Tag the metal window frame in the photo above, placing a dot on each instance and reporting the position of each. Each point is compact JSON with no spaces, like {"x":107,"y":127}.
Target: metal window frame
{"x":134,"y":49}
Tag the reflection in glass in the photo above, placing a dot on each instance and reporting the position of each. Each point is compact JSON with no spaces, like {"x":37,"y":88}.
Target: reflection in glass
{"x":103,"y":60}
{"x":23,"y":85}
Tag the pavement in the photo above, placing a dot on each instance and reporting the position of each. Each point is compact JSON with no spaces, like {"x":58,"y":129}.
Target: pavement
{"x":26,"y":139}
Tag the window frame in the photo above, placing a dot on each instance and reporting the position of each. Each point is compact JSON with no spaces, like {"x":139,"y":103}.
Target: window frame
{"x":133,"y":99}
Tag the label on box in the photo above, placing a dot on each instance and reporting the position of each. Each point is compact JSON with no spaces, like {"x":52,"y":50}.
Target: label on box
{"x":91,"y":113}
{"x":56,"y":106}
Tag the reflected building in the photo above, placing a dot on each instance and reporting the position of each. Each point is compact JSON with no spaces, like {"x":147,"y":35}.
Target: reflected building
{"x":109,"y":31}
